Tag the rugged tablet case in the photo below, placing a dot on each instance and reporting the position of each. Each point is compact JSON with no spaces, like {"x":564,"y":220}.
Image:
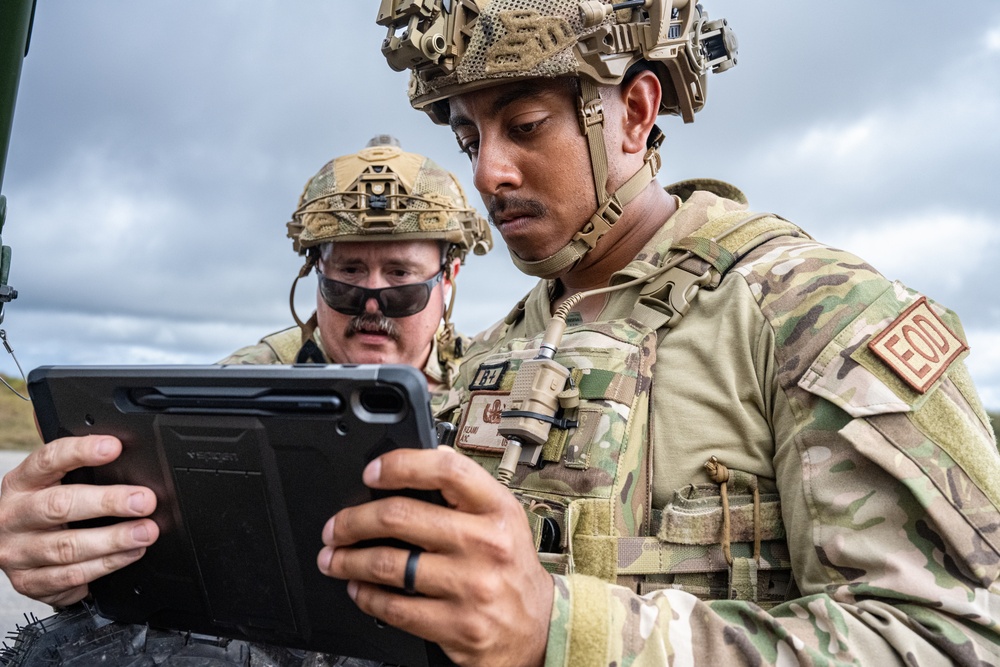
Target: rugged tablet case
{"x":247,"y":463}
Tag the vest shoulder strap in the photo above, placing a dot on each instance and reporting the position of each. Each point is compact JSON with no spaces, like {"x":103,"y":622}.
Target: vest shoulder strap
{"x":712,"y":250}
{"x":725,"y":239}
{"x":286,"y":344}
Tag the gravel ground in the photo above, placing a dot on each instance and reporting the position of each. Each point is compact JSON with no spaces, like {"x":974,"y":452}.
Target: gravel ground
{"x":13,"y":606}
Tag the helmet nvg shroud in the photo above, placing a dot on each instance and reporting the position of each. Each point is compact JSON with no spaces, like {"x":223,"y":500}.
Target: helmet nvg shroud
{"x":456,"y":46}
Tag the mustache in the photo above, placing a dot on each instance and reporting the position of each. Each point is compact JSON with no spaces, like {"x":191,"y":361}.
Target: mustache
{"x":497,"y":206}
{"x":372,"y":323}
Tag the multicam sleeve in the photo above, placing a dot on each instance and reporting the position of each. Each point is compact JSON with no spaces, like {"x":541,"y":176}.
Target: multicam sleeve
{"x":259,"y":354}
{"x":890,"y":487}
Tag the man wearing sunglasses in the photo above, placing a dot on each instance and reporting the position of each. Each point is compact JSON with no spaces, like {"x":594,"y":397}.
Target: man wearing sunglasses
{"x":385,"y":232}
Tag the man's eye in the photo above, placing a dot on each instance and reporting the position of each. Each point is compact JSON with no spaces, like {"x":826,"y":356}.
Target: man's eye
{"x":467,"y":145}
{"x":470,"y":148}
{"x":526,"y":128}
{"x":348,"y":274}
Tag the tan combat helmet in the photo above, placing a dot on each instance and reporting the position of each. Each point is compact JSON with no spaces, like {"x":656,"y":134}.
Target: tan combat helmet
{"x":382,"y":193}
{"x":457,"y":46}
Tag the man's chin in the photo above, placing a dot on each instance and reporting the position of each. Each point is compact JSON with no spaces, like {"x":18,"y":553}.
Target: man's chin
{"x":380,"y":352}
{"x":529,"y":254}
{"x":528,"y":250}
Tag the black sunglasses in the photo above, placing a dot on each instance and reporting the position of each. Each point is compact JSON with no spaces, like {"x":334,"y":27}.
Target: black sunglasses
{"x":398,"y":301}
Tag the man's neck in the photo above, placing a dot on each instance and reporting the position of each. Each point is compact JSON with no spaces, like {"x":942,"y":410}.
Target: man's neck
{"x":641,"y":219}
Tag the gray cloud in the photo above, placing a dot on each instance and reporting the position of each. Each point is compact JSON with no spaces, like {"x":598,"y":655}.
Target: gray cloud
{"x":159,"y":148}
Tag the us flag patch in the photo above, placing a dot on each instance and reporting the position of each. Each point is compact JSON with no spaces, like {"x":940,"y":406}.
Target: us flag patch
{"x":918,"y":346}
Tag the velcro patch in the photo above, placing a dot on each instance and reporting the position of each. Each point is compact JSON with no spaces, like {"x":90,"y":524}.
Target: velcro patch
{"x":479,"y":430}
{"x":918,"y":346}
{"x":488,"y":376}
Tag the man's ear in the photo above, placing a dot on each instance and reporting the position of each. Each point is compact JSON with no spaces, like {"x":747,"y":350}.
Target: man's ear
{"x":641,"y":98}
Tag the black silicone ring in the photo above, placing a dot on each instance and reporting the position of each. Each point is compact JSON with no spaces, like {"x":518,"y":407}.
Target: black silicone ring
{"x":410,"y":574}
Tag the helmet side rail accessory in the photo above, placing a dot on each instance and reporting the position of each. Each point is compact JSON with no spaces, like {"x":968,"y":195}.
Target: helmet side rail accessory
{"x":454,"y":46}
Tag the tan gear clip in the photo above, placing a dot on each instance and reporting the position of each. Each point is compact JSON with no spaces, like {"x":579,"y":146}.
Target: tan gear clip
{"x":589,"y":112}
{"x":607,"y":215}
{"x":675,"y":289}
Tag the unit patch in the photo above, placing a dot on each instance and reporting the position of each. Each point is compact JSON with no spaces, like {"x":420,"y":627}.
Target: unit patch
{"x":918,"y":346}
{"x":479,"y":430}
{"x":488,"y":376}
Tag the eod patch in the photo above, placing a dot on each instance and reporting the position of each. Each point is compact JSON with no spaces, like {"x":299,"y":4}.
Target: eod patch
{"x":918,"y":346}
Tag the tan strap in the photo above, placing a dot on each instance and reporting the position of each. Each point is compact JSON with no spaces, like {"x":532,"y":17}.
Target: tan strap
{"x":310,"y":326}
{"x":590,"y":113}
{"x":743,"y":580}
{"x":650,"y":555}
{"x":725,"y":239}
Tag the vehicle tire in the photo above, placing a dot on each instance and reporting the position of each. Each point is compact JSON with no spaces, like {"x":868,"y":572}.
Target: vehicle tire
{"x":80,"y":637}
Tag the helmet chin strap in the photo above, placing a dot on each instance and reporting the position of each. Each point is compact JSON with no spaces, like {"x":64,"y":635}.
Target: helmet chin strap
{"x":609,"y":206}
{"x":309,"y":326}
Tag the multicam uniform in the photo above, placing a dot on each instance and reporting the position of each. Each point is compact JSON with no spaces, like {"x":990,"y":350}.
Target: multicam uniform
{"x":805,"y":417}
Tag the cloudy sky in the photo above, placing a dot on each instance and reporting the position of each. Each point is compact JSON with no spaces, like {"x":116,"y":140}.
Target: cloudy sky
{"x":159,"y":148}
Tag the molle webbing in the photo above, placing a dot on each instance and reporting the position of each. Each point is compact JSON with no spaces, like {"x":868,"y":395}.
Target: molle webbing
{"x":687,"y":551}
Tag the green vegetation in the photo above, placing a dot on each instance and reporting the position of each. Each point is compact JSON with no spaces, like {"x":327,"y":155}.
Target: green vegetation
{"x":17,"y":420}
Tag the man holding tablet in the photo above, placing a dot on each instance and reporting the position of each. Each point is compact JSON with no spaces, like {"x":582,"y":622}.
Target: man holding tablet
{"x":386,"y":232}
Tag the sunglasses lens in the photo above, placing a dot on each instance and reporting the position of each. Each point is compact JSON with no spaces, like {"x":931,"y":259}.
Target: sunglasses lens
{"x":404,"y":300}
{"x":400,"y":301}
{"x":342,"y":297}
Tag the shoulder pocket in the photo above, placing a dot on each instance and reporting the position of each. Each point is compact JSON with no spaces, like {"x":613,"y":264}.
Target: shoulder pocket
{"x":890,"y":358}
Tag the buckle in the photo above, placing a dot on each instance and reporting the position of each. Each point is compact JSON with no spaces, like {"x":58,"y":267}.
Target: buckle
{"x":675,"y":289}
{"x":589,"y":113}
{"x":608,"y":213}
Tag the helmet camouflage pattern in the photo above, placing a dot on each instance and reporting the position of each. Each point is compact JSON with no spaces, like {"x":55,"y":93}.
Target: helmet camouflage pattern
{"x":457,"y":46}
{"x":383,"y":193}
{"x":454,"y":47}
